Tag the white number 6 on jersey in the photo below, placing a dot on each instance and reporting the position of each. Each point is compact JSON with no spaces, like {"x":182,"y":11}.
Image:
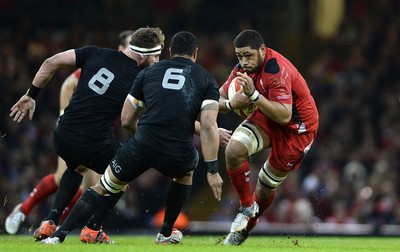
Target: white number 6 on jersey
{"x":173,"y":79}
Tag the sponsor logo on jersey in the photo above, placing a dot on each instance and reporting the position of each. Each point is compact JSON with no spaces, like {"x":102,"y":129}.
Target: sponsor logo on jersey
{"x":117,"y":168}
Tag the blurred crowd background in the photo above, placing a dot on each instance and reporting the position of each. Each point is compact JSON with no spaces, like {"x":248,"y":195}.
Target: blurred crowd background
{"x":348,"y":51}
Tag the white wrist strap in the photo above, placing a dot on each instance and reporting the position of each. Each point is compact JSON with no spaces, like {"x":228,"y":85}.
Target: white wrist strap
{"x":254,"y":96}
{"x":228,"y":105}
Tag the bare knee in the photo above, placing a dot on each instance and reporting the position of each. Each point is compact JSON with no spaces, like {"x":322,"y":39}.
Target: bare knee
{"x":235,"y":154}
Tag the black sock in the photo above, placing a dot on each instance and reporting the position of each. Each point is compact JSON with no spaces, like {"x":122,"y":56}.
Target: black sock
{"x":176,"y":197}
{"x":98,"y":217}
{"x":69,"y":185}
{"x":82,"y":210}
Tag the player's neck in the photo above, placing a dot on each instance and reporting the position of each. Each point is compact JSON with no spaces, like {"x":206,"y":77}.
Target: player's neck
{"x":132,"y":55}
{"x":183,"y":56}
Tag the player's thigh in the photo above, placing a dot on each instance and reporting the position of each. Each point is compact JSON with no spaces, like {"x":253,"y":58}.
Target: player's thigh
{"x":263,"y":125}
{"x":131,"y":160}
{"x":99,"y":158}
{"x":91,"y":155}
{"x":178,"y":167}
{"x":289,"y":149}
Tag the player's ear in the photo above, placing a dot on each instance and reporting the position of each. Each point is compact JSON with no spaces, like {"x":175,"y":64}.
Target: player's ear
{"x":170,"y":53}
{"x":194,"y":56}
{"x":263,"y":49}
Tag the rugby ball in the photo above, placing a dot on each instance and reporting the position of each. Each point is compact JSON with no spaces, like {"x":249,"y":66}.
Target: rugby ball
{"x":233,"y":88}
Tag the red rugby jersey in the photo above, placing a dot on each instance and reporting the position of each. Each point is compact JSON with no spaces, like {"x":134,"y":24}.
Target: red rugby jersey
{"x":278,"y":80}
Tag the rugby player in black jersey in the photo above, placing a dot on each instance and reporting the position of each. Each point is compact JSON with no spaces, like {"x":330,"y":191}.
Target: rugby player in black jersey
{"x":83,"y":137}
{"x":175,"y":92}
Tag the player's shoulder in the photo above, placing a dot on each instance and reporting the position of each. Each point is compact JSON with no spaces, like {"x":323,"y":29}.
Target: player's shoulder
{"x":175,"y":62}
{"x":271,"y":66}
{"x":200,"y":72}
{"x":93,"y":49}
{"x":88,"y":51}
{"x":275,"y":62}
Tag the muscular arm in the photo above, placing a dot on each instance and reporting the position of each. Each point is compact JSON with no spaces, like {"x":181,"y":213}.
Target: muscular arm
{"x":46,"y":71}
{"x":130,"y":113}
{"x":279,"y":112}
{"x":209,"y":145}
{"x":223,"y":134}
{"x":223,"y":97}
{"x":67,"y":89}
{"x":26,"y":104}
{"x":209,"y":131}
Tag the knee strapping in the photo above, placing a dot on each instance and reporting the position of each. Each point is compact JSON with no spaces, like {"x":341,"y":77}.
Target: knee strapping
{"x":109,"y":185}
{"x":248,"y":135}
{"x":268,"y":179}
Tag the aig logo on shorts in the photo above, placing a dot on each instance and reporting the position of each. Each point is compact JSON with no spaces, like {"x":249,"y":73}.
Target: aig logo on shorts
{"x":117,"y":168}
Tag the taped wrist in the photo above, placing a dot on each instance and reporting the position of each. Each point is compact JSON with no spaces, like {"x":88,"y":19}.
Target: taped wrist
{"x":212,"y":166}
{"x":33,"y":91}
{"x":228,"y":105}
{"x":254,"y":96}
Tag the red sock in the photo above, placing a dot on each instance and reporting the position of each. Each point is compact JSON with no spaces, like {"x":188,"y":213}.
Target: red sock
{"x":241,"y":181}
{"x":47,"y":186}
{"x":71,"y":204}
{"x":263,"y":207}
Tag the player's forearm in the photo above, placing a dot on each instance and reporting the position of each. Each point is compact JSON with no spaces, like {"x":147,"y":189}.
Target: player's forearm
{"x":224,"y":105}
{"x":45,"y":73}
{"x":209,"y":142}
{"x":280,"y":113}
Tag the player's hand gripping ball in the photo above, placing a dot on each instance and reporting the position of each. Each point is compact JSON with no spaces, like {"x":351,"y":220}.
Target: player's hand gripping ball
{"x":234,"y":87}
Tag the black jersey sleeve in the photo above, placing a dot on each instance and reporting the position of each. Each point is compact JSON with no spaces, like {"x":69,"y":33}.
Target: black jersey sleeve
{"x":213,"y":91}
{"x":137,"y":89}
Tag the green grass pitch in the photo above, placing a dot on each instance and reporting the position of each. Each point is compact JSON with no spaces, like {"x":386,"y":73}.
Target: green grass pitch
{"x":194,"y":243}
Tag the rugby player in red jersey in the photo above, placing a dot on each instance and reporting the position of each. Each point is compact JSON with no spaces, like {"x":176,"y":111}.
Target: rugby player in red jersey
{"x":285,"y":121}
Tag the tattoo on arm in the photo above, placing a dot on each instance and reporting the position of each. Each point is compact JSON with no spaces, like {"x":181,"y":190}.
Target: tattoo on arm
{"x":211,"y":106}
{"x":138,"y":112}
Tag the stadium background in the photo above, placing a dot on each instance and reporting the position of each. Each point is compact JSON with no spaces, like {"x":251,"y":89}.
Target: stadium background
{"x":349,"y":52}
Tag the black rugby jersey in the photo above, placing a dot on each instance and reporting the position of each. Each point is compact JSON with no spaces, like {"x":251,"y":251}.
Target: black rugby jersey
{"x":172,"y":90}
{"x":106,"y":78}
